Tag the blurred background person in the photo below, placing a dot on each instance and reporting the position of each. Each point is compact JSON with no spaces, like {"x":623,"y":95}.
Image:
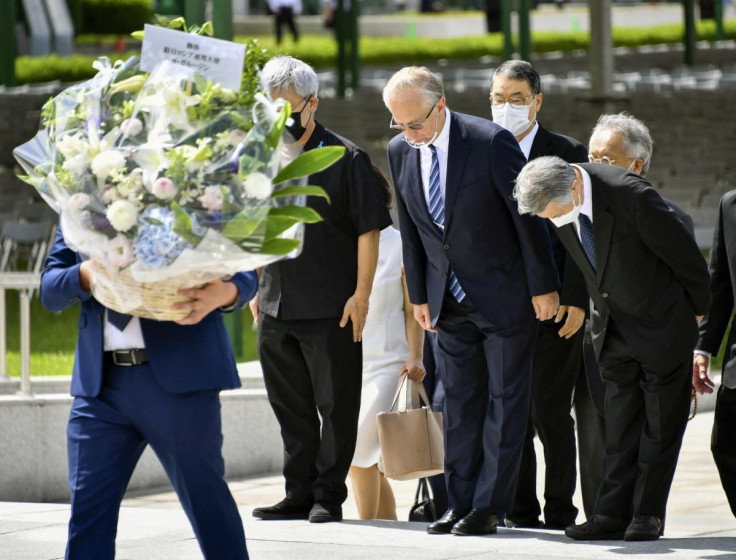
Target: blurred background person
{"x":284,"y":12}
{"x":392,"y":346}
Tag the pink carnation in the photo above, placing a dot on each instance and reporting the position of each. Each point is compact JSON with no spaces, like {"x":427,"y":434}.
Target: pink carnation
{"x":120,"y":251}
{"x":163,"y":188}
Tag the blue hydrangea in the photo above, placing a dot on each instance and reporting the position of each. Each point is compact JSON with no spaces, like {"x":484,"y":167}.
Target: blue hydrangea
{"x":156,"y":244}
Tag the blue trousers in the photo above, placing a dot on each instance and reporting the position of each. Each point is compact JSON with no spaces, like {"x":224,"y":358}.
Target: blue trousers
{"x":106,"y":436}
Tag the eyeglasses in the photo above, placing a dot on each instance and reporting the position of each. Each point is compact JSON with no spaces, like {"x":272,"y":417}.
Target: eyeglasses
{"x":516,"y":101}
{"x":412,"y":126}
{"x":605,"y":160}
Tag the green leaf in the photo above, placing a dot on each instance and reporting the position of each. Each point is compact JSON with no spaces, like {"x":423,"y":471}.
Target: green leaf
{"x":137,"y":35}
{"x":183,"y":225}
{"x":298,"y":213}
{"x":207,"y":29}
{"x":277,"y":225}
{"x":274,"y":135}
{"x":154,"y":221}
{"x":310,"y":162}
{"x":279,"y":246}
{"x":240,"y":227}
{"x":248,"y":164}
{"x":309,"y":190}
{"x":227,"y":206}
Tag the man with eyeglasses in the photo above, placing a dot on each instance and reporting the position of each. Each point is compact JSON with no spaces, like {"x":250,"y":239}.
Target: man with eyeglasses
{"x":648,"y":283}
{"x":311,"y":311}
{"x":478,"y":273}
{"x":516,"y":100}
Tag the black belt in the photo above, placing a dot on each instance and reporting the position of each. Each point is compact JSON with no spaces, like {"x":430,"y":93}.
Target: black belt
{"x":127,"y":357}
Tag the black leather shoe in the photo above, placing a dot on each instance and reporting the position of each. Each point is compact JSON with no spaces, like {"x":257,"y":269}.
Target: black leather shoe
{"x":516,"y":523}
{"x":477,"y":522}
{"x":599,"y":528}
{"x":285,"y":509}
{"x":444,"y":524}
{"x":644,"y":528}
{"x":324,"y":513}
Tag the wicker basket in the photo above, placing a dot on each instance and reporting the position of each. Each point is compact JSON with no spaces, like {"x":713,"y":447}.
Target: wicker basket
{"x":150,"y":300}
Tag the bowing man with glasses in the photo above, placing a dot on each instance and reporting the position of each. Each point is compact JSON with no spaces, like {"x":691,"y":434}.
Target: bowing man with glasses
{"x":649,"y":287}
{"x":139,"y":382}
{"x":478,"y":273}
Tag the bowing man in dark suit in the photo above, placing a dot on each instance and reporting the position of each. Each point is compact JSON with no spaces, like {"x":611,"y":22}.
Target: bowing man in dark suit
{"x":516,"y":99}
{"x":139,"y":382}
{"x":649,"y":287}
{"x":712,"y":330}
{"x":478,"y":272}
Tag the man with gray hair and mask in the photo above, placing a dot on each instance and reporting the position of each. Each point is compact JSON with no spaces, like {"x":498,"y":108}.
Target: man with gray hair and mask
{"x":649,"y":287}
{"x":311,"y":310}
{"x":478,"y":272}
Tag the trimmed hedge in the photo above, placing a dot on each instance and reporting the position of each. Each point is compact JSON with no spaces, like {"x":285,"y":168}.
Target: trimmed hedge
{"x":321,"y":50}
{"x":115,"y":16}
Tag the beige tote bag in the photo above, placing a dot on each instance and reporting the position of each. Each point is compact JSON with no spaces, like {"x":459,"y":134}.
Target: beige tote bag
{"x":410,"y":435}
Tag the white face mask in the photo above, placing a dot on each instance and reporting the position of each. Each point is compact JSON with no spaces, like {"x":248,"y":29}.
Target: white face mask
{"x":514,"y":119}
{"x":418,"y":145}
{"x":568,"y":218}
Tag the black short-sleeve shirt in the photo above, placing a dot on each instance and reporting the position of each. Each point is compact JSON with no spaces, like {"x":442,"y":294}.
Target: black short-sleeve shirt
{"x":317,"y":283}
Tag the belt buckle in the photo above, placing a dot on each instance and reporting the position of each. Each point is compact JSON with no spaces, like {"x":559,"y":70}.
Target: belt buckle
{"x":117,"y":362}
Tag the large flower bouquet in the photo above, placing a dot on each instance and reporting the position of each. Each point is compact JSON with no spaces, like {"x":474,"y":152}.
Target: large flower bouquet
{"x":168,"y":180}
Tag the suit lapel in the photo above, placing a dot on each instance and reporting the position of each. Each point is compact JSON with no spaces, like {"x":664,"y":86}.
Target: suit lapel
{"x":602,"y":225}
{"x":570,"y":239}
{"x":457,"y":152}
{"x":540,"y":145}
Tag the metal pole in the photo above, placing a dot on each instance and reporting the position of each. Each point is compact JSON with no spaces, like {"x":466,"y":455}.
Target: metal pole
{"x":341,"y":36}
{"x":222,"y":19}
{"x":508,"y":47}
{"x":354,"y":45}
{"x":525,"y":36}
{"x":7,"y":43}
{"x":601,"y":49}
{"x":718,"y":14}
{"x":194,"y":12}
{"x":3,"y":337}
{"x":689,"y":39}
{"x":25,"y":342}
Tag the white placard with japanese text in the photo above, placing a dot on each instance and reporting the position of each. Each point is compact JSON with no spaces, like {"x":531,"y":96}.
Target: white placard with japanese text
{"x":220,"y":61}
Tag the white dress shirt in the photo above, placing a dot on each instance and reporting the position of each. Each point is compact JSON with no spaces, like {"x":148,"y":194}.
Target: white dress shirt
{"x":130,"y":338}
{"x":441,"y":144}
{"x":528,"y":140}
{"x":587,"y":208}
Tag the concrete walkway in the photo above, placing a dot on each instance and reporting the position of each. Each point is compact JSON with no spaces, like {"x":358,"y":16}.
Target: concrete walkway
{"x":153,"y":527}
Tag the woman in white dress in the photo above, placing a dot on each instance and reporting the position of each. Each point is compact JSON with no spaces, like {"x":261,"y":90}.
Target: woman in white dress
{"x":392,"y":345}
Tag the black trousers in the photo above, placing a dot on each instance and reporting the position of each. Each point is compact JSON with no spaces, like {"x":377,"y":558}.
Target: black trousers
{"x":486,"y":373}
{"x":591,"y":444}
{"x":312,"y":370}
{"x":558,"y":362}
{"x":646,"y":412}
{"x":723,"y":442}
{"x":285,"y":16}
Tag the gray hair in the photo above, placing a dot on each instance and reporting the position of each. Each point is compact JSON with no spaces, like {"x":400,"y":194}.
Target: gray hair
{"x":520,"y":70}
{"x":421,"y":78}
{"x":541,"y":181}
{"x":637,"y":140}
{"x":286,"y":72}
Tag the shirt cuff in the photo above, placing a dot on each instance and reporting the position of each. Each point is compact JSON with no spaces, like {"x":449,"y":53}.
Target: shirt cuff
{"x":702,"y":353}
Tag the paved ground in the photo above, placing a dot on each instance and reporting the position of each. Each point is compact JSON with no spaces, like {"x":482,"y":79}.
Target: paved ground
{"x":152,"y":526}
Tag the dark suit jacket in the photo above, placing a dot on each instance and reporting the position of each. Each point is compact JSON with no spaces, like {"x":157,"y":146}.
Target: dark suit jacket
{"x":500,"y":257}
{"x":650,"y":276}
{"x":723,"y":289}
{"x":183,"y":358}
{"x":546,"y":143}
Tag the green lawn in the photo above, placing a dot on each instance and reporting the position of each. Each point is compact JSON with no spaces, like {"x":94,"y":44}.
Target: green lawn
{"x":53,"y":337}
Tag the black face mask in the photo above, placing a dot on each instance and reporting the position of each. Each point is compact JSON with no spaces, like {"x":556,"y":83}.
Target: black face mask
{"x":296,"y":129}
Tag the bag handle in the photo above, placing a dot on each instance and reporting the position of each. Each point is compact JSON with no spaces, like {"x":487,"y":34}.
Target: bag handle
{"x":404,"y":399}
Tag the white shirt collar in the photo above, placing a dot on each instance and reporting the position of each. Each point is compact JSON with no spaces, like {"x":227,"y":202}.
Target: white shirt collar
{"x":587,"y":208}
{"x":526,"y":143}
{"x":442,"y":142}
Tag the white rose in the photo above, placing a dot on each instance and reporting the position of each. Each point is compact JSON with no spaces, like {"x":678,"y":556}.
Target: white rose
{"x":122,"y":215}
{"x":106,"y":163}
{"x":131,"y":127}
{"x":212,"y":198}
{"x":78,"y":202}
{"x":257,"y":185}
{"x":120,"y":251}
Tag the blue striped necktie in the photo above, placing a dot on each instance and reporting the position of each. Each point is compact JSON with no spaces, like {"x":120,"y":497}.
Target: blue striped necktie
{"x":437,"y":211}
{"x":586,"y":238}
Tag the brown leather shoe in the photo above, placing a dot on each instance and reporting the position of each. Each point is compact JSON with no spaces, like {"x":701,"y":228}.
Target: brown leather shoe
{"x":644,"y":528}
{"x":444,"y":524}
{"x":599,"y":528}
